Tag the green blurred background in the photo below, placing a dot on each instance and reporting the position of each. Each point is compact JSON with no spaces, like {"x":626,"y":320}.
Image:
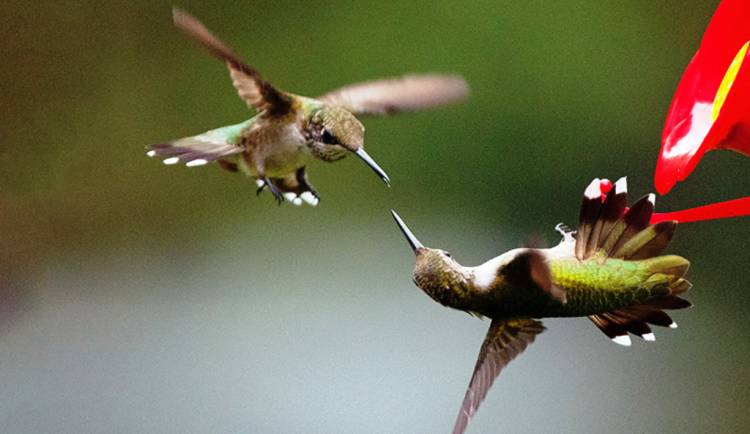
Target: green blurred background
{"x":143,"y":298}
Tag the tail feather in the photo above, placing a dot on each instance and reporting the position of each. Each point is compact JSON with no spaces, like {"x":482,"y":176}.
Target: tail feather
{"x":635,"y":220}
{"x":650,"y":242}
{"x":672,"y":266}
{"x":608,"y":229}
{"x":613,"y":209}
{"x":636,"y":319}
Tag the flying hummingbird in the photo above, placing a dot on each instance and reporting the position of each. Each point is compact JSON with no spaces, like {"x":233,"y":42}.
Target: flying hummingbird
{"x":611,"y":270}
{"x":288,"y":131}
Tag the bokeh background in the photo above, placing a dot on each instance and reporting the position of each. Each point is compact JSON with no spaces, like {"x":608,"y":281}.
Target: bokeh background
{"x":143,"y":298}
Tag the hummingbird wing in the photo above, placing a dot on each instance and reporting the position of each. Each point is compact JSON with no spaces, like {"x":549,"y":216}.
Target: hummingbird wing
{"x":204,"y":148}
{"x":252,"y":88}
{"x":505,"y":339}
{"x":402,"y":94}
{"x":530,"y":269}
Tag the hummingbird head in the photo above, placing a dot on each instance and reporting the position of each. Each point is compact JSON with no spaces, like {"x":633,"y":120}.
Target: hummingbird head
{"x":334,"y":131}
{"x":435,"y":271}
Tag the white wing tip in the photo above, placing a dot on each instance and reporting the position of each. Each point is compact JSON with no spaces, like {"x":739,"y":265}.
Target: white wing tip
{"x":151,"y":153}
{"x":196,"y":163}
{"x":623,"y":340}
{"x":652,"y":198}
{"x":673,"y":325}
{"x":649,"y":337}
{"x":172,"y":160}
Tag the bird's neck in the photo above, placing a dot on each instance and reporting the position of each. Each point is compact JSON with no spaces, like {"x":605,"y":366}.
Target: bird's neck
{"x":448,"y":285}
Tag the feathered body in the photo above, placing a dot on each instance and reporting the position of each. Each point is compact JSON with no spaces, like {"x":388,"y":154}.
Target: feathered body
{"x":610,"y":270}
{"x":590,"y":287}
{"x":289,"y":130}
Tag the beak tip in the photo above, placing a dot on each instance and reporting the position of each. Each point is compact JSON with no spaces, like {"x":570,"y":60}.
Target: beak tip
{"x":410,"y":238}
{"x":362,"y":154}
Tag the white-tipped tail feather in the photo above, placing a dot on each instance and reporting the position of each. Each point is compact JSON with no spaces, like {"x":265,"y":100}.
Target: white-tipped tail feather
{"x":607,"y":228}
{"x":309,"y":198}
{"x":623,"y":340}
{"x":621,"y":186}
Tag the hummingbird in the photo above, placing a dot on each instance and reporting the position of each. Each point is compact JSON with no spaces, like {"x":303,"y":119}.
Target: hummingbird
{"x":288,"y":131}
{"x":610,"y":270}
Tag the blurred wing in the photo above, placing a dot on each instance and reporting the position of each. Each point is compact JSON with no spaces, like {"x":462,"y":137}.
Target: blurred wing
{"x":505,"y":340}
{"x":252,"y":88}
{"x":530,"y":269}
{"x":407,"y":93}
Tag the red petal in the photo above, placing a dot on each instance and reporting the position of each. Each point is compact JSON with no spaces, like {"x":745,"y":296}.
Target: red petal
{"x":689,"y":131}
{"x":720,"y":210}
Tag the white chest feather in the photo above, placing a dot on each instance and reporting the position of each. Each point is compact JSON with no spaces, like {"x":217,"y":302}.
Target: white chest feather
{"x":566,"y":249}
{"x":483,"y":275}
{"x":289,"y":152}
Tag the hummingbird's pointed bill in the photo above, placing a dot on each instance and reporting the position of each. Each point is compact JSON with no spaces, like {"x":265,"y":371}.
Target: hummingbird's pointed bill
{"x":413,"y":241}
{"x":373,"y":165}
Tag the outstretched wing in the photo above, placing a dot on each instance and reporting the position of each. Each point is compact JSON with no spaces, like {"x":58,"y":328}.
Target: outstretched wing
{"x":505,"y":340}
{"x":407,"y":93}
{"x":252,"y":88}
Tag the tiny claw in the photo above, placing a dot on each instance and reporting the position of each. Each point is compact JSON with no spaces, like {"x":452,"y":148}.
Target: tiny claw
{"x":275,"y":191}
{"x":567,"y":233}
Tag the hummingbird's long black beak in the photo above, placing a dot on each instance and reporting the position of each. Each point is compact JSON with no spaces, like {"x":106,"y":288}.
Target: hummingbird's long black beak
{"x":373,"y":165}
{"x":413,"y":241}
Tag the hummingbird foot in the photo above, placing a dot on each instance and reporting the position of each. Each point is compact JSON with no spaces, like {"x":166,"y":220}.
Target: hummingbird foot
{"x":293,"y":188}
{"x":565,"y":231}
{"x":274,"y":191}
{"x":261,"y":186}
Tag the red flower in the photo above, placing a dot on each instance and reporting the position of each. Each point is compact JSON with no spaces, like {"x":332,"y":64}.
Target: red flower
{"x":711,"y":108}
{"x":730,"y":208}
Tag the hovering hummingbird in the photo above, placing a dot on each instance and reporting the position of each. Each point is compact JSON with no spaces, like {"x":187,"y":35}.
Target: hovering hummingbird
{"x":288,"y":131}
{"x":611,"y":270}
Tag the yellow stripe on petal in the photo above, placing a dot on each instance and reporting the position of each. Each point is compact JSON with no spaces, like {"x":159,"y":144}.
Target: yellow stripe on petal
{"x":727,"y":81}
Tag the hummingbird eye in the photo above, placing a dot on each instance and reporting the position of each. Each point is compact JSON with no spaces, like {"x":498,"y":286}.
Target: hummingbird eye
{"x":328,"y":137}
